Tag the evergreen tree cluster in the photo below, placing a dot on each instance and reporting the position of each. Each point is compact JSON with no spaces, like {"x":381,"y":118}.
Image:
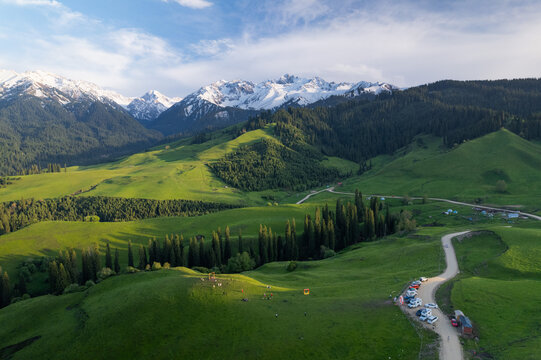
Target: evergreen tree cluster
{"x":37,"y":131}
{"x":268,"y":164}
{"x":17,"y":214}
{"x":5,"y":289}
{"x":453,"y":110}
{"x":326,"y":232}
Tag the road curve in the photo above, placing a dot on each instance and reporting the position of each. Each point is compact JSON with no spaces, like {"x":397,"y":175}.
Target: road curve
{"x":331,"y":190}
{"x":450,"y":348}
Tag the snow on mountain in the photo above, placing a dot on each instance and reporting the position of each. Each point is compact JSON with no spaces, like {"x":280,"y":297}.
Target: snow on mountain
{"x":47,"y":85}
{"x":149,"y":106}
{"x":272,"y":94}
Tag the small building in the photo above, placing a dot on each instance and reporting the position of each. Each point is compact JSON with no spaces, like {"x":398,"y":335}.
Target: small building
{"x":512,"y":216}
{"x":465,"y":324}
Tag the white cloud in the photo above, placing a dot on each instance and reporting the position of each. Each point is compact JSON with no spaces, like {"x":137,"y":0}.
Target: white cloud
{"x":51,"y":3}
{"x":403,"y":45}
{"x":194,"y":4}
{"x":213,"y":47}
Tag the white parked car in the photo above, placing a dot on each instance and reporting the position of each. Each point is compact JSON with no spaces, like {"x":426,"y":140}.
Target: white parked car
{"x":416,"y":283}
{"x":415,"y":303}
{"x":432,"y":319}
{"x":423,"y":317}
{"x":423,"y":279}
{"x":411,"y":293}
{"x":431,"y":306}
{"x":426,"y":312}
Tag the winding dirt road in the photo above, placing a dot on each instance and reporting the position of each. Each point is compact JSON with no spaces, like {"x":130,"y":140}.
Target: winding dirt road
{"x":331,"y":190}
{"x":450,"y":348}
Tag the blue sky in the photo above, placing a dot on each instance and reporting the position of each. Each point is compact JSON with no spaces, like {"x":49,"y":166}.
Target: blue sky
{"x":176,"y":46}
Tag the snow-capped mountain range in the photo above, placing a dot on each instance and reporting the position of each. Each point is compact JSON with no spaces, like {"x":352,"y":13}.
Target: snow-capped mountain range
{"x":211,"y":100}
{"x":48,"y":85}
{"x":272,"y":94}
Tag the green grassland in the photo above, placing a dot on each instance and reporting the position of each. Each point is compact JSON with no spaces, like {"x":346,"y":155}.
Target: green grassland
{"x":174,"y":171}
{"x":173,"y":314}
{"x":178,"y":170}
{"x":500,"y":289}
{"x":47,"y":238}
{"x":466,"y":172}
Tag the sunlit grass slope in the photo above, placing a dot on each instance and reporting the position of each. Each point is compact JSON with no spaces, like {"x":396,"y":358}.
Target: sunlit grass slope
{"x":501,"y":291}
{"x":175,"y":171}
{"x":172,"y":314}
{"x":467,"y":172}
{"x":47,"y":238}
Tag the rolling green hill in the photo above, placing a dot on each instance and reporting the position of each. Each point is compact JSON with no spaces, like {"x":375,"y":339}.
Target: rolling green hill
{"x":37,"y":131}
{"x":47,"y":238}
{"x":500,"y":290}
{"x":467,"y":172}
{"x":173,"y":314}
{"x":174,"y":171}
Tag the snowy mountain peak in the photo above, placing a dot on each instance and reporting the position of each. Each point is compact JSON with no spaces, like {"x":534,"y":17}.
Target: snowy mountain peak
{"x":271,"y":94}
{"x":48,"y":85}
{"x":149,"y":106}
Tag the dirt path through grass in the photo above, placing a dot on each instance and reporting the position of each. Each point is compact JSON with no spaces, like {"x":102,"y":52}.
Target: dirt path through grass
{"x":450,"y":348}
{"x":331,"y":190}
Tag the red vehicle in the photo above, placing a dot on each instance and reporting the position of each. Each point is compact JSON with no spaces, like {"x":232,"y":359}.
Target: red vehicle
{"x":416,"y":286}
{"x":454,"y":322}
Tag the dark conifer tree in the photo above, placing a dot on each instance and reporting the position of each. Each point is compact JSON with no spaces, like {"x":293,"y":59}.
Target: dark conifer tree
{"x":166,"y":250}
{"x":182,"y":258}
{"x":96,"y":261}
{"x":317,"y":228}
{"x":332,"y":235}
{"x":108,"y":258}
{"x":228,"y":253}
{"x":240,"y":247}
{"x":305,"y":246}
{"x":21,"y":285}
{"x":156,"y":251}
{"x":280,"y":247}
{"x":269,"y":245}
{"x":5,"y":294}
{"x":202,"y":253}
{"x":62,"y":280}
{"x":216,"y":247}
{"x":312,"y":246}
{"x":74,"y":271}
{"x":142,"y":257}
{"x":53,"y":276}
{"x":117,"y":261}
{"x":288,"y":247}
{"x":85,"y":260}
{"x":151,"y":253}
{"x":130,"y":255}
{"x":370,"y":227}
{"x":295,"y":242}
{"x":324,"y":234}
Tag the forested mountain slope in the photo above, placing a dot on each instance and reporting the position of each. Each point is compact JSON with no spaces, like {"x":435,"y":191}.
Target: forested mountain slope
{"x":38,"y":131}
{"x":453,"y":110}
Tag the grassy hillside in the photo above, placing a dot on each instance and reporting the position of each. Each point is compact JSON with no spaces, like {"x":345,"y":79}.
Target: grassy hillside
{"x":500,"y":290}
{"x":47,"y":238}
{"x":173,"y":314}
{"x":466,"y":172}
{"x":174,"y":171}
